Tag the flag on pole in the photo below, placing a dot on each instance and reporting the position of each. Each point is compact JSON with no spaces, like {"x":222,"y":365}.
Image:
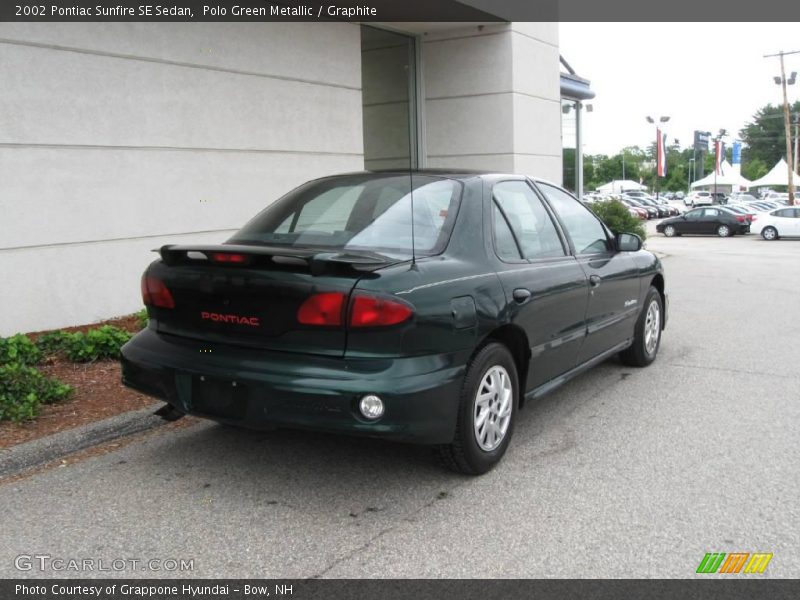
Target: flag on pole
{"x":661,"y":155}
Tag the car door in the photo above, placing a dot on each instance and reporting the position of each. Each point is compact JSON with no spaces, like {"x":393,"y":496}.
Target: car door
{"x":794,"y":220}
{"x":613,"y":276}
{"x":691,"y":222}
{"x":546,"y":289}
{"x":785,"y":221}
{"x":709,"y":220}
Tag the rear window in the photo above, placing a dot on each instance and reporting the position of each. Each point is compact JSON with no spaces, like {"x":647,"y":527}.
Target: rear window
{"x":360,"y":212}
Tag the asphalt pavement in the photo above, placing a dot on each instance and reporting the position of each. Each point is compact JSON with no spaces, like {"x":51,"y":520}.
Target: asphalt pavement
{"x":624,"y":472}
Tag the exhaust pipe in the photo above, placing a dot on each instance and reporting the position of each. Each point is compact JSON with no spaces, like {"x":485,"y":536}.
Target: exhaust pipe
{"x":169,"y":413}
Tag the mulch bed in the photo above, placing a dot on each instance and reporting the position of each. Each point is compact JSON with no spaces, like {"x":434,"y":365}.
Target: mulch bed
{"x":97,"y":393}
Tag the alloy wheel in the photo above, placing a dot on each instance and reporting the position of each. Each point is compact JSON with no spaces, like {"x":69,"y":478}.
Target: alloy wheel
{"x":652,"y":327}
{"x":492,"y":412}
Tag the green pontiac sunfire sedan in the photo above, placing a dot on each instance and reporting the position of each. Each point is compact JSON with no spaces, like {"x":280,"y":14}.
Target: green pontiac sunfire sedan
{"x":423,"y":307}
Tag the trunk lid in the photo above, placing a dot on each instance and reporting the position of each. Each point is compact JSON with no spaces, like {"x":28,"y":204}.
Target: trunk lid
{"x":250,"y":295}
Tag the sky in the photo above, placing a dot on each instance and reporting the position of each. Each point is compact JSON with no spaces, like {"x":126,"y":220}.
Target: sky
{"x":704,"y":76}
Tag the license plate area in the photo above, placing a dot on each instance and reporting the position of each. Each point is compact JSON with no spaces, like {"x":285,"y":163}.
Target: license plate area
{"x":219,"y":397}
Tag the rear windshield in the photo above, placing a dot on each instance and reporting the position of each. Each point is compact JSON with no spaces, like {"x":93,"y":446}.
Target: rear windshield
{"x":360,"y":212}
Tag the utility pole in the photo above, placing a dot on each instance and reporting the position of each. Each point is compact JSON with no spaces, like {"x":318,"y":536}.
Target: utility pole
{"x":786,"y":122}
{"x":796,"y":136}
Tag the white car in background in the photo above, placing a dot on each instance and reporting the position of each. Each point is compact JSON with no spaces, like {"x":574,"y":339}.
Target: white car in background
{"x":699,"y":199}
{"x":778,"y":223}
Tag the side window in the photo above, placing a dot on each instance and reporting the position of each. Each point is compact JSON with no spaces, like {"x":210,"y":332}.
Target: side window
{"x":587,"y":232}
{"x":785,"y":212}
{"x":693,"y":214}
{"x":503,"y":238}
{"x":529,"y":219}
{"x":711,"y":212}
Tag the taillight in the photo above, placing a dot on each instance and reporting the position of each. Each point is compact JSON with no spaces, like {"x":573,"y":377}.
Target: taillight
{"x":740,"y":218}
{"x":753,"y":218}
{"x":226,"y":258}
{"x":322,"y":309}
{"x":369,"y":311}
{"x":155,"y":293}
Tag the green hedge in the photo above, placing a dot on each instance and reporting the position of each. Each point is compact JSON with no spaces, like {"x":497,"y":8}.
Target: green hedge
{"x":618,"y":218}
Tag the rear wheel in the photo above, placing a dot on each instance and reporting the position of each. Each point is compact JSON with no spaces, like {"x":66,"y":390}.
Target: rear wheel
{"x":769,"y":233}
{"x":669,"y":231}
{"x":724,"y":231}
{"x":647,"y":334}
{"x":486,"y":413}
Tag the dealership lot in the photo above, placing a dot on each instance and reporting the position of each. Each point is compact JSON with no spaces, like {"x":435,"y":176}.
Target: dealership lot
{"x":621,"y":473}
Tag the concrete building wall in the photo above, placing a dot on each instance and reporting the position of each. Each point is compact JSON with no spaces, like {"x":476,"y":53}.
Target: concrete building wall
{"x":492,"y":98}
{"x":117,"y":139}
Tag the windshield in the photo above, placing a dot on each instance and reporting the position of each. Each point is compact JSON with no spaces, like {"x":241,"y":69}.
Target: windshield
{"x":368,"y":212}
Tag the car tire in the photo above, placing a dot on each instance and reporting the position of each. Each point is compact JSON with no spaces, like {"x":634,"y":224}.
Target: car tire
{"x":769,"y":233}
{"x":724,"y":231}
{"x":476,"y":450}
{"x":670,"y":231}
{"x":647,"y":332}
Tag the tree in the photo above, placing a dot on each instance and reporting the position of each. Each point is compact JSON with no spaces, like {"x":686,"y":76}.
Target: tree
{"x":753,"y":169}
{"x":765,"y":136}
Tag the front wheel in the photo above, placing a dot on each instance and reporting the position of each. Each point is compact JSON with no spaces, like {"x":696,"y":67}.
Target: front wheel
{"x":669,"y":231}
{"x":769,"y":233}
{"x":647,"y":333}
{"x":486,"y":413}
{"x":724,"y":231}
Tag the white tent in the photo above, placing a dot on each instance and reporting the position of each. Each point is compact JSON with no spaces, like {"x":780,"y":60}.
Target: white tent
{"x":621,"y":185}
{"x":778,"y":175}
{"x":727,"y":180}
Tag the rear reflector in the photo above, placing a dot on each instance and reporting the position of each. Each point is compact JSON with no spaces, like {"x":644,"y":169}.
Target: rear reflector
{"x":155,"y":293}
{"x":322,"y":309}
{"x":368,"y":311}
{"x":224,"y":257}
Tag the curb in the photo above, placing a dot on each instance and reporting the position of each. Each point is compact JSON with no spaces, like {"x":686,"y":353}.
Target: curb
{"x":52,"y":447}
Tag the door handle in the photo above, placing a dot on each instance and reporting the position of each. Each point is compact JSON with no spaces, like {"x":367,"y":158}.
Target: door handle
{"x":521,"y":295}
{"x":595,"y":280}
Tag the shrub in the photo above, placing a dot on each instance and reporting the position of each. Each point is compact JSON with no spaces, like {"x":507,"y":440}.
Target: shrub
{"x":103,"y":342}
{"x":19,"y":349}
{"x":52,"y":342}
{"x":24,"y":389}
{"x":618,"y":218}
{"x":143,"y":318}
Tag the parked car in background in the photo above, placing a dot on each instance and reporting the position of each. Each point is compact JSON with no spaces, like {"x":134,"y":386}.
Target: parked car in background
{"x":652,"y":212}
{"x":719,"y":198}
{"x":741,"y":197}
{"x":778,"y":223}
{"x":679,"y":195}
{"x":707,"y":220}
{"x":698,"y":198}
{"x":663,"y":211}
{"x":397,"y":305}
{"x":781,"y":197}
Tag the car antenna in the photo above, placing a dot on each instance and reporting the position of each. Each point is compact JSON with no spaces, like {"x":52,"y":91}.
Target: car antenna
{"x":411,"y":194}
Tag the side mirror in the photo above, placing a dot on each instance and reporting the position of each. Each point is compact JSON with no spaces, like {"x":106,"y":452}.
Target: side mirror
{"x":628,"y":242}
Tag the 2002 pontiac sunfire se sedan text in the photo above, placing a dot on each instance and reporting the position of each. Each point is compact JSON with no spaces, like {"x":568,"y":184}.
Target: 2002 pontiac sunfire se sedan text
{"x":335,"y":310}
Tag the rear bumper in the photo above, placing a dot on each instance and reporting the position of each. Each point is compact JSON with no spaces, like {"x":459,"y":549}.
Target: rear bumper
{"x":267,"y":389}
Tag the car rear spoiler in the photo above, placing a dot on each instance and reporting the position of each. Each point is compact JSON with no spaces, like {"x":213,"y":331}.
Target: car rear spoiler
{"x":316,"y":262}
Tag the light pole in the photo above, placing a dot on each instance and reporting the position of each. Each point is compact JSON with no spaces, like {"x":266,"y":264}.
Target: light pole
{"x":783,"y":82}
{"x":717,"y":158}
{"x":652,"y":121}
{"x":691,"y":167}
